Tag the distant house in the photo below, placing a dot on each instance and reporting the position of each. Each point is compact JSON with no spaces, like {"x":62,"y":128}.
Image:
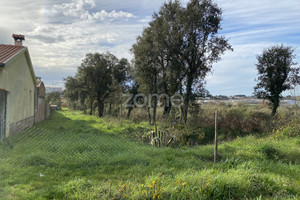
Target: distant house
{"x":17,"y":88}
{"x":240,"y":96}
{"x":42,"y":108}
{"x":221,"y":97}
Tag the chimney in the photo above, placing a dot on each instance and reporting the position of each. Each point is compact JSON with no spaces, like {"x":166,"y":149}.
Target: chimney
{"x":18,"y":39}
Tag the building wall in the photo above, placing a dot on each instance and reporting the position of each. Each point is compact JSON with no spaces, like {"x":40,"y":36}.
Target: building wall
{"x":17,"y":81}
{"x":41,"y":90}
{"x":43,"y":110}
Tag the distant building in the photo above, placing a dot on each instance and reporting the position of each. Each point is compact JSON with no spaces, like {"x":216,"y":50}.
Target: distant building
{"x":221,"y":97}
{"x":240,"y":96}
{"x":50,"y":89}
{"x":42,"y":108}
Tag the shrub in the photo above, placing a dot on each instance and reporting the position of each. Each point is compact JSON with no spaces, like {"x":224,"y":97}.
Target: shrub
{"x":257,"y":121}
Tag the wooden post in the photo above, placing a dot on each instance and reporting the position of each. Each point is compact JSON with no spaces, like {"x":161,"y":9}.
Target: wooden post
{"x":216,"y":137}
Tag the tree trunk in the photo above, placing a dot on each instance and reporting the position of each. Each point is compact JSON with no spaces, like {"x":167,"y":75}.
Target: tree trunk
{"x":186,"y":100}
{"x":120,"y":110}
{"x":129,"y":109}
{"x":100,"y":106}
{"x":91,"y":107}
{"x":185,"y":110}
{"x":181,"y":114}
{"x":154,"y":110}
{"x":84,"y":110}
{"x":109,"y":109}
{"x":149,"y":115}
{"x":167,"y":108}
{"x":275,"y":106}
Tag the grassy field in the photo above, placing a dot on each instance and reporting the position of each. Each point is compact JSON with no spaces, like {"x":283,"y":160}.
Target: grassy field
{"x":75,"y":156}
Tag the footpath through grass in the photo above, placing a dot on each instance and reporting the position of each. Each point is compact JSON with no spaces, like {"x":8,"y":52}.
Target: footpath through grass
{"x":74,"y":156}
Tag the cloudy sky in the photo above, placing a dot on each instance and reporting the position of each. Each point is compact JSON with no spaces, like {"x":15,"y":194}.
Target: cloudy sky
{"x":60,"y":32}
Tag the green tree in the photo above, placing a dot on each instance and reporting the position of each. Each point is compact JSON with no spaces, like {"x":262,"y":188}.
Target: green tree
{"x":176,"y":52}
{"x":201,"y":45}
{"x":97,"y":78}
{"x":120,"y":76}
{"x":53,"y":98}
{"x":276,"y":74}
{"x":146,"y":70}
{"x":78,"y":91}
{"x":131,"y":89}
{"x":85,"y":88}
{"x":167,"y":37}
{"x":71,"y":92}
{"x":158,"y":70}
{"x":98,"y":70}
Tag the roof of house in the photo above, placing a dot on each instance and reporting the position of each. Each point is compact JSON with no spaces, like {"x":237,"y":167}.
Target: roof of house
{"x":10,"y":52}
{"x":7,"y":52}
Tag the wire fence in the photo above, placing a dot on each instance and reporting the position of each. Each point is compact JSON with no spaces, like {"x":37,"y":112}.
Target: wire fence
{"x":90,"y":148}
{"x":84,"y":145}
{"x":74,"y":149}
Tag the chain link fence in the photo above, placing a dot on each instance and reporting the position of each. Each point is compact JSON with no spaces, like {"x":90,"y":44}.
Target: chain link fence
{"x":73,"y":149}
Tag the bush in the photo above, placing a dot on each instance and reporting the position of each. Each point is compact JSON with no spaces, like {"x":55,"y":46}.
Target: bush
{"x":258,"y":122}
{"x":233,"y":121}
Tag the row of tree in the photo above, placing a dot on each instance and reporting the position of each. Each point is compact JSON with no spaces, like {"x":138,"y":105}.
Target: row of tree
{"x":176,"y":52}
{"x":101,"y":78}
{"x":173,"y":55}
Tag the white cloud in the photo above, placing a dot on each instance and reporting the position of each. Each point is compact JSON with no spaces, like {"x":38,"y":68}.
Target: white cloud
{"x":62,"y":56}
{"x":82,"y":10}
{"x":146,"y":19}
{"x":102,"y":15}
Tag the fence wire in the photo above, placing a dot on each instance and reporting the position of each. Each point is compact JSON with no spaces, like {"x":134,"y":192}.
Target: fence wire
{"x":54,"y":148}
{"x":82,"y":148}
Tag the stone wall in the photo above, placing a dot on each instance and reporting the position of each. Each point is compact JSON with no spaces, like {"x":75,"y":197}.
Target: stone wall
{"x":20,"y":125}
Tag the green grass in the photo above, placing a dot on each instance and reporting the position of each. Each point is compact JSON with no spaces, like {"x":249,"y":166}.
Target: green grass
{"x":75,"y":156}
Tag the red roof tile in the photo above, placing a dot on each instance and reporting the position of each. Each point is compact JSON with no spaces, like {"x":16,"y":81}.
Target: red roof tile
{"x":8,"y":51}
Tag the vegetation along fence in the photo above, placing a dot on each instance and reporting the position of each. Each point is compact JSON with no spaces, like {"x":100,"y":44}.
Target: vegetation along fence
{"x":79,"y":148}
{"x":77,"y":156}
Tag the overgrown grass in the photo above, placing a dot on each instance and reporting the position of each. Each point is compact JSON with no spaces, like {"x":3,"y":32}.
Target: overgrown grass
{"x":75,"y":156}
